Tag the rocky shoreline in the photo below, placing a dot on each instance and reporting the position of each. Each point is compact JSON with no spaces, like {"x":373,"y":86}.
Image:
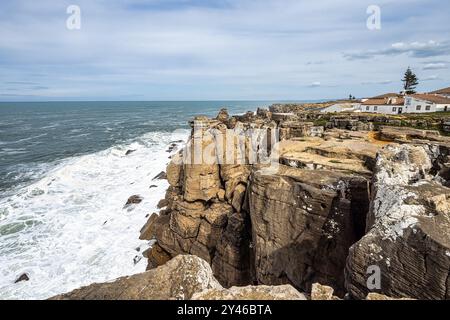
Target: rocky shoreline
{"x":348,"y":196}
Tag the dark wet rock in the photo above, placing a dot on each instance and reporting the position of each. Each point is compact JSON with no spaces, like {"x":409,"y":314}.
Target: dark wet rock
{"x":172,"y":147}
{"x":133,"y":200}
{"x":136,"y":259}
{"x":153,"y":186}
{"x":22,"y":277}
{"x":160,"y":176}
{"x":129,"y":152}
{"x":162,"y":203}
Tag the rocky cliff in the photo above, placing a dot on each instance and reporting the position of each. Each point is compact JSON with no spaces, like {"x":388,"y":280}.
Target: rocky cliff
{"x":408,"y":225}
{"x":337,"y":202}
{"x":267,"y":206}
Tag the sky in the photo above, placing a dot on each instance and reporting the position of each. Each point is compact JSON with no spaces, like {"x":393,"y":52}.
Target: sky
{"x":219,"y":49}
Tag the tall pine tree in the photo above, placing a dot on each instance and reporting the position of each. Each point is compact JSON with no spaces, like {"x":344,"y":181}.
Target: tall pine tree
{"x":410,"y":81}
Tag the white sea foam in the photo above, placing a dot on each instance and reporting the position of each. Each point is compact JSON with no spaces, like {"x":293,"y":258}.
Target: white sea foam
{"x":29,"y":138}
{"x":69,"y":229}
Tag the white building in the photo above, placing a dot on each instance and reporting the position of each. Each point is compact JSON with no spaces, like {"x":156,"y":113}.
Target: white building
{"x":395,"y":103}
{"x":420,"y":103}
{"x":390,"y":103}
{"x":342,"y":107}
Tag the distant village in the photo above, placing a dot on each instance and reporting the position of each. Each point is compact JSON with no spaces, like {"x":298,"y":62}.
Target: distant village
{"x":396,"y":103}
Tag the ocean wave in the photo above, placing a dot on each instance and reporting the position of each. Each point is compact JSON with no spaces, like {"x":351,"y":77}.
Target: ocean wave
{"x":69,"y":229}
{"x":12,"y":151}
{"x":28,"y":139}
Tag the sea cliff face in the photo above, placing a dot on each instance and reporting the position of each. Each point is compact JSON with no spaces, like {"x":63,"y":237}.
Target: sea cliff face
{"x":339,"y":202}
{"x":321,"y":204}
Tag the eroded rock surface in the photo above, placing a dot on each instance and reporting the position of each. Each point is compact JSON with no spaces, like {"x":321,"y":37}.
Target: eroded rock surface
{"x":180,"y":278}
{"x":297,"y":223}
{"x":303,"y":222}
{"x":408,"y":226}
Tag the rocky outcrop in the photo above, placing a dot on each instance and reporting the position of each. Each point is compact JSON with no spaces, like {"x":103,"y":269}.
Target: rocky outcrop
{"x":349,"y":124}
{"x":205,"y":213}
{"x":405,"y":134}
{"x":180,"y":278}
{"x":333,"y":206}
{"x":320,"y":292}
{"x":22,"y":277}
{"x":133,"y":200}
{"x":408,"y":236}
{"x":303,"y":222}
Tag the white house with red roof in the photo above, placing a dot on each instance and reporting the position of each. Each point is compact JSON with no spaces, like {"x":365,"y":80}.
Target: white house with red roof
{"x":419,"y":103}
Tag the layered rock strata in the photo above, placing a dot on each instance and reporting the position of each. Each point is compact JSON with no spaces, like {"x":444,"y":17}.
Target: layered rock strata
{"x":334,"y":201}
{"x":408,"y":236}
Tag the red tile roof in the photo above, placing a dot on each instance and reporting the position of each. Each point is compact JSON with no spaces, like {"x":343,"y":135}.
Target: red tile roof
{"x":385,"y":101}
{"x":431,"y":98}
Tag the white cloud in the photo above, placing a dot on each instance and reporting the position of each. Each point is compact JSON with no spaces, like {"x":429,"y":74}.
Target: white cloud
{"x":267,"y":49}
{"x":414,"y":49}
{"x":435,"y":66}
{"x":377,"y":82}
{"x":430,"y":78}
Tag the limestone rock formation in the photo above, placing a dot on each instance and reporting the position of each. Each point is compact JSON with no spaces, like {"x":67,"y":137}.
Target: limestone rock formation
{"x":303,"y":222}
{"x":180,"y":278}
{"x":408,"y":236}
{"x":338,"y":200}
{"x":320,"y":292}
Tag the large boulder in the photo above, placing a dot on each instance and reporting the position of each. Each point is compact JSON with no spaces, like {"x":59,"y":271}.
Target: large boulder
{"x":180,"y":279}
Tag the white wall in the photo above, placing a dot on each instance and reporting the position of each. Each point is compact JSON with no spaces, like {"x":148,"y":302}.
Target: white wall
{"x":341,"y":107}
{"x":385,"y":109}
{"x":411,"y":105}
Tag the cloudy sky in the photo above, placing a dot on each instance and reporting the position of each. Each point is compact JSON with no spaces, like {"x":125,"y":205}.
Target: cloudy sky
{"x":219,"y":49}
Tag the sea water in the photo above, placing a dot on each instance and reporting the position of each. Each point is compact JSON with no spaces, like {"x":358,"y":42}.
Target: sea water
{"x":65,"y":177}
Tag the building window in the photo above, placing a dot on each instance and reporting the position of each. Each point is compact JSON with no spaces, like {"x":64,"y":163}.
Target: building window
{"x":367,"y":108}
{"x":375,"y":108}
{"x":408,"y":101}
{"x":427,"y":108}
{"x":445,"y":108}
{"x":418,"y":108}
{"x":394,"y":109}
